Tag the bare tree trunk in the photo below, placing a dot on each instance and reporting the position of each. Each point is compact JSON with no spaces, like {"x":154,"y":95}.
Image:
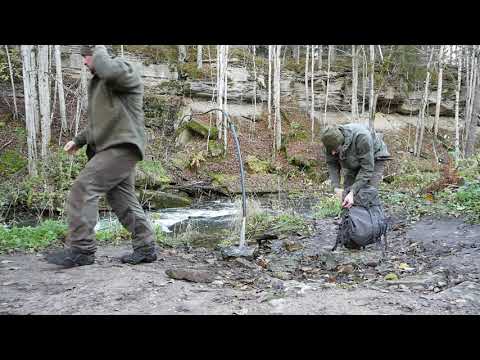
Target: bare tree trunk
{"x":421,"y":115}
{"x":44,"y":98}
{"x":278,"y":119}
{"x":371,"y":120}
{"x":199,"y":56}
{"x":54,"y":102}
{"x":34,"y":88}
{"x":467,"y":145}
{"x":457,"y":101}
{"x":121,"y":51}
{"x":471,"y":126}
{"x":312,"y":101}
{"x":15,"y":114}
{"x":307,"y":49}
{"x":225,"y":100}
{"x":274,"y":60}
{"x":364,"y":79}
{"x":84,"y":86}
{"x":269,"y":101}
{"x":29,"y":109}
{"x":354,"y":83}
{"x":439,"y":90}
{"x":320,"y":57}
{"x":333,"y":54}
{"x":182,"y":53}
{"x":297,"y":54}
{"x":61,"y":94}
{"x":254,"y":86}
{"x":328,"y":84}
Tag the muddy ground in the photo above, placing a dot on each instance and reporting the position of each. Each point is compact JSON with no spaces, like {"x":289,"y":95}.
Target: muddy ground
{"x":437,"y":262}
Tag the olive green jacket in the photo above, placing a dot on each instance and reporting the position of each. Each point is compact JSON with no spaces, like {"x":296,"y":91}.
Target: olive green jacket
{"x":115,"y":105}
{"x":357,"y":156}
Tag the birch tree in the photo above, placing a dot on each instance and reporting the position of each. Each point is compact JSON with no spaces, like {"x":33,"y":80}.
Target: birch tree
{"x":457,"y":102}
{"x":222,"y":65}
{"x":182,"y":53}
{"x":34,"y":88}
{"x":364,"y":79}
{"x":269,"y":100}
{"x":10,"y":69}
{"x":328,"y":84}
{"x":320,"y":56}
{"x":312,"y":101}
{"x":333,"y":54}
{"x":439,"y":90}
{"x":421,"y":115}
{"x":199,"y":56}
{"x":306,"y":76}
{"x":276,"y":99}
{"x":59,"y":81}
{"x":471,"y":118}
{"x":354,"y":83}
{"x":28,"y":74}
{"x":254,"y":86}
{"x":371,"y":120}
{"x":296,"y":54}
{"x":44,"y":98}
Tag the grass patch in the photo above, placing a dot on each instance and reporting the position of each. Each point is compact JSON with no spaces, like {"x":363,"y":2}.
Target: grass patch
{"x":30,"y":238}
{"x":328,"y":206}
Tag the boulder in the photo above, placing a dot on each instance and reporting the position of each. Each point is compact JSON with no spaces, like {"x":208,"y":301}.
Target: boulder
{"x":199,"y":128}
{"x":151,"y":175}
{"x":161,"y":200}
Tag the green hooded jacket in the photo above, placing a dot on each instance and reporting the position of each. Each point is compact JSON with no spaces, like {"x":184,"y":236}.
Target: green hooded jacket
{"x":357,"y":156}
{"x":115,"y":105}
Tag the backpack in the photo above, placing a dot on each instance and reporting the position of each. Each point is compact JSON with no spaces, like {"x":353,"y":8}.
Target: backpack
{"x":364,"y":223}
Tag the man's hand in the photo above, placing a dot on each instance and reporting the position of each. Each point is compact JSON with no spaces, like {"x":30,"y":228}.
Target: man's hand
{"x":339,"y":193}
{"x":348,"y":202}
{"x":70,"y":147}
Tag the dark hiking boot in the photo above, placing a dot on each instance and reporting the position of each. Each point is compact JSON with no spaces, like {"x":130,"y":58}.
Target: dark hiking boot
{"x":138,"y":257}
{"x":70,"y":258}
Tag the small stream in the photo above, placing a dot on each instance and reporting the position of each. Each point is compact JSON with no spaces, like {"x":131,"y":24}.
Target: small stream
{"x":213,"y":221}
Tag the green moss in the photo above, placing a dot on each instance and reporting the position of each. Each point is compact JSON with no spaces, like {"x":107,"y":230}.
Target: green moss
{"x":11,"y":162}
{"x":256,"y":165}
{"x":214,"y":148}
{"x":220,"y":179}
{"x":151,"y":174}
{"x":199,"y":128}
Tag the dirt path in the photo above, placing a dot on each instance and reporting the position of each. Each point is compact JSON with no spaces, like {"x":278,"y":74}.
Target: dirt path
{"x":291,"y":276}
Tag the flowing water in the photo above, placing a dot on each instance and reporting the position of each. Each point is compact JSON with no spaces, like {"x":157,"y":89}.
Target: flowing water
{"x":210,"y":222}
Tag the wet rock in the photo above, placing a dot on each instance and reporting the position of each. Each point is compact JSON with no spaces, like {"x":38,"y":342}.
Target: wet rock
{"x":282,"y":275}
{"x":425,"y":281}
{"x":161,"y":200}
{"x":345,"y":269}
{"x":291,"y":245}
{"x":246,"y":263}
{"x":197,"y":276}
{"x":466,"y":292}
{"x":235,"y":251}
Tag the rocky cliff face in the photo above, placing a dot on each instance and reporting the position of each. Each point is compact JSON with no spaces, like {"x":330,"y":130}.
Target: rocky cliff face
{"x":164,"y":79}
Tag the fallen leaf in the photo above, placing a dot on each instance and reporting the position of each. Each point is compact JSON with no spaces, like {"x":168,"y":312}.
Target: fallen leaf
{"x":391,"y":276}
{"x":405,"y":267}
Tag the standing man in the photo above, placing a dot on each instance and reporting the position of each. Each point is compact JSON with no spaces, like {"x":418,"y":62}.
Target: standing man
{"x":360,"y":153}
{"x":115,"y":139}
